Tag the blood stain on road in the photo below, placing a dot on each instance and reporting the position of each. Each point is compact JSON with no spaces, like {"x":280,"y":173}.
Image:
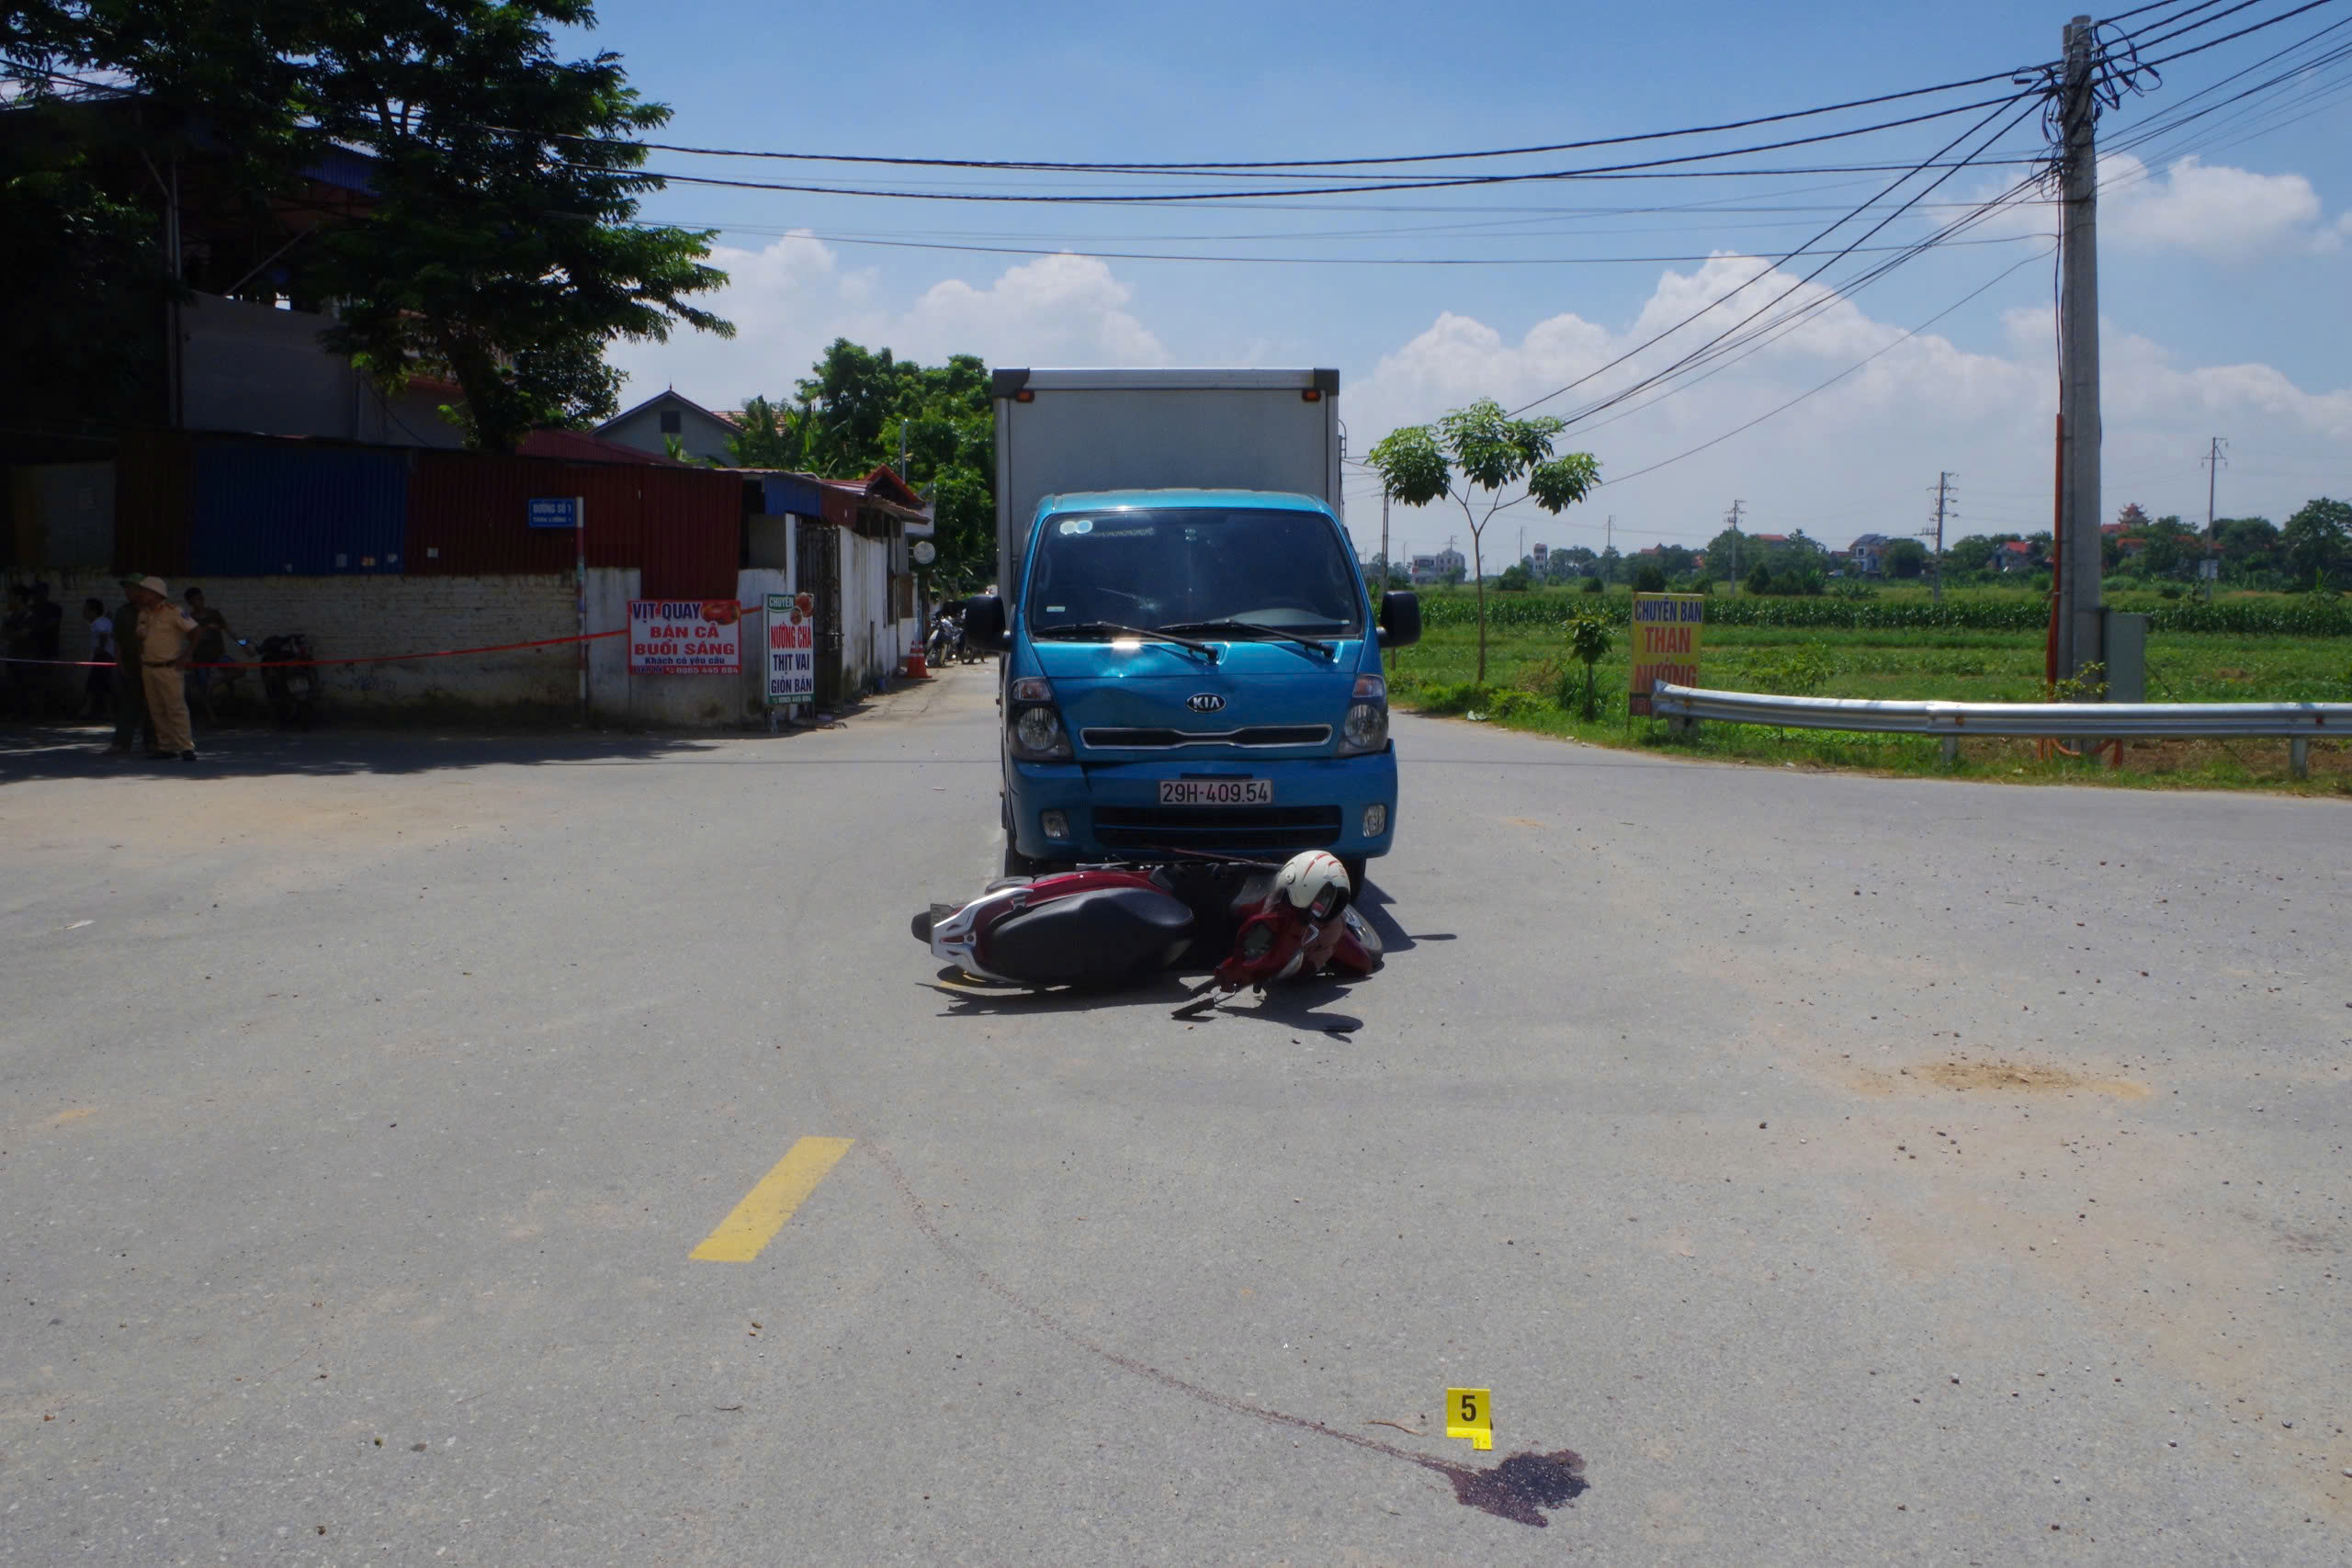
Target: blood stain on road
{"x":1518,"y":1489}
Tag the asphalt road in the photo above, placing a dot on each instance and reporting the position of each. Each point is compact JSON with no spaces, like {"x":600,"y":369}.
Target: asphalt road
{"x":1849,"y":1170}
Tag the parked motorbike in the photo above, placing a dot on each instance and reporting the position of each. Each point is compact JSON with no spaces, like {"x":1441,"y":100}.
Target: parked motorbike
{"x":289,"y":681}
{"x":946,"y":637}
{"x":1101,"y":927}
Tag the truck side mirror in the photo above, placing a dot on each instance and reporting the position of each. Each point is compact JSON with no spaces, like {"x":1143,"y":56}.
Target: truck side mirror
{"x":984,"y":622}
{"x":1400,"y":619}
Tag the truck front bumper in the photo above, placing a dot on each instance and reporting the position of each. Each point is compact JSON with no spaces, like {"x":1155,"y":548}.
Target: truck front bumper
{"x":1112,"y":810}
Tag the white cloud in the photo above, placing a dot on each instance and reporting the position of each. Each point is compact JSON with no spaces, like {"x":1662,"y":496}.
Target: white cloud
{"x":1061,"y":310}
{"x":2211,"y":209}
{"x":793,"y":297}
{"x":1854,"y":457}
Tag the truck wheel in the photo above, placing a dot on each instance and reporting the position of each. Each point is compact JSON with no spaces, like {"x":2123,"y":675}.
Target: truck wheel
{"x":1354,"y":866}
{"x":1015,"y":862}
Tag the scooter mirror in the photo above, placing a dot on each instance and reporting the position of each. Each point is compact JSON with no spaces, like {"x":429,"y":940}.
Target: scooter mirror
{"x":1400,"y":619}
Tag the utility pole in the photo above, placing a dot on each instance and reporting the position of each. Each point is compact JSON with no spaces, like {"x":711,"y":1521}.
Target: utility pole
{"x":1944,"y":498}
{"x":2078,"y":563}
{"x":1732,"y":517}
{"x":1385,"y":563}
{"x":2213,"y":461}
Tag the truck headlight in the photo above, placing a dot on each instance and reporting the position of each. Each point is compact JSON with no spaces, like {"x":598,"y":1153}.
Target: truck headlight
{"x":1365,"y":727}
{"x":1035,"y":725}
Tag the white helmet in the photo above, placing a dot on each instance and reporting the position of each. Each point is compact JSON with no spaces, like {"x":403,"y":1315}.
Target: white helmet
{"x":1314,"y":882}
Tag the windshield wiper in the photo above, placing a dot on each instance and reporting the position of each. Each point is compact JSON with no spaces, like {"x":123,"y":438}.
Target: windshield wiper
{"x":1328,"y":650}
{"x":1077,"y":630}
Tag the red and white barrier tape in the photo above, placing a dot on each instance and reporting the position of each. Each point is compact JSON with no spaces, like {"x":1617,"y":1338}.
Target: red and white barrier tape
{"x":312,"y":663}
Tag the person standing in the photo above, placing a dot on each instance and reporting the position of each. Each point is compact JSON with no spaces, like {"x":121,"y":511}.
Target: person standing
{"x":165,"y":631}
{"x":17,"y":674}
{"x":212,"y":639}
{"x":98,"y":691}
{"x":131,"y":720}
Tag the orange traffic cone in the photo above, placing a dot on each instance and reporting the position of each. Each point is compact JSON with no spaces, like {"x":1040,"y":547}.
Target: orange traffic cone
{"x":918,"y":668}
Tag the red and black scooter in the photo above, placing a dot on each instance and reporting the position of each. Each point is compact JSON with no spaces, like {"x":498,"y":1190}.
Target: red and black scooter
{"x":1101,"y":927}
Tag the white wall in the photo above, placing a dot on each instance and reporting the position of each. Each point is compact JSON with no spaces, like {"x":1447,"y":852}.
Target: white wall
{"x":617,"y":699}
{"x":359,"y":616}
{"x":873,"y":640}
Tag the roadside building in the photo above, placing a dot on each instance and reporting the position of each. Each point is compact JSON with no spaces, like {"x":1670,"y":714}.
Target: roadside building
{"x":667,"y":416}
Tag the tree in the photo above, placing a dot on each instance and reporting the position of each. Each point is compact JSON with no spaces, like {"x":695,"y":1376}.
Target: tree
{"x":502,"y":244}
{"x":2316,"y":540}
{"x":1494,"y":454}
{"x":1589,"y":641}
{"x":498,"y":243}
{"x":1975,"y":552}
{"x":1515,"y":579}
{"x":770,"y":435}
{"x":1609,"y":566}
{"x":1904,"y":558}
{"x":1759,"y":579}
{"x":855,"y":406}
{"x":2248,"y":543}
{"x":1648,"y":577}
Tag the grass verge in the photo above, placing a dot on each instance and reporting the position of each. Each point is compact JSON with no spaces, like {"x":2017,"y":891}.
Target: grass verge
{"x":1531,"y":685}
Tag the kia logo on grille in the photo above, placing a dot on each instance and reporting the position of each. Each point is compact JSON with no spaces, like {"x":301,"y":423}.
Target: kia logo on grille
{"x":1205,"y":701}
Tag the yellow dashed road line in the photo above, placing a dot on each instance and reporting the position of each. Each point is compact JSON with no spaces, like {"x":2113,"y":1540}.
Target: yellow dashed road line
{"x":742,"y":1235}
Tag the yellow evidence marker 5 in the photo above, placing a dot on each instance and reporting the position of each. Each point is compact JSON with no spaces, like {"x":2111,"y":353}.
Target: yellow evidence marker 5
{"x":1470,"y":1413}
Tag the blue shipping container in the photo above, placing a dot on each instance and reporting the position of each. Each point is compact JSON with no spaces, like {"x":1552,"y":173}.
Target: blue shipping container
{"x":268,"y":509}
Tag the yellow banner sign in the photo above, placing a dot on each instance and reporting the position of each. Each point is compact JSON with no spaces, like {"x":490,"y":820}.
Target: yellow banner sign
{"x":1666,"y":642}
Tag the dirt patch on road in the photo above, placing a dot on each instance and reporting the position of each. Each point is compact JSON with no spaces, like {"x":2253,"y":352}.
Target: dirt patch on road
{"x":2013,"y":1076}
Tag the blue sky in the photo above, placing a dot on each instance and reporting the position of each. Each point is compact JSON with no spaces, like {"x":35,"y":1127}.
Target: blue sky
{"x":2223,"y":279}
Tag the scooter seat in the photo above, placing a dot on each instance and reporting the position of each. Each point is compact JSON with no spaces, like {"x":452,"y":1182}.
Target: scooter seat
{"x":1106,"y":937}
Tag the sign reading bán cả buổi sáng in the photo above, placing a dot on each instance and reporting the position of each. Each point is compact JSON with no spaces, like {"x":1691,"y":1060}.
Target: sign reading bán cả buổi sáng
{"x":685,"y":637}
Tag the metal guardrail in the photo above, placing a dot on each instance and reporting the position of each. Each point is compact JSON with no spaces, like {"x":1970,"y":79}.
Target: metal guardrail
{"x":1952,"y":722}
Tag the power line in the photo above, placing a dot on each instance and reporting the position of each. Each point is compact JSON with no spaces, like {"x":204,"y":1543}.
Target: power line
{"x":1347,"y":261}
{"x":1658,"y":169}
{"x":1212,"y":166}
{"x":1792,"y":256}
{"x":1824,"y":386}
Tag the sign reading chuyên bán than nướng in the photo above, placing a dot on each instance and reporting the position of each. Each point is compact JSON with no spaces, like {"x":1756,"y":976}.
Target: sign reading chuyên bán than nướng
{"x":1665,"y":643}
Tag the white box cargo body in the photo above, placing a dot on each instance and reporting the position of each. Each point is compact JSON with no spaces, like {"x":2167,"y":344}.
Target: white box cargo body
{"x":1059,"y":431}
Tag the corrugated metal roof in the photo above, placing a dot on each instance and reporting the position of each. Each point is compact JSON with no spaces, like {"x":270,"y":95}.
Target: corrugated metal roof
{"x":154,"y":476}
{"x":797,"y":494}
{"x":469,"y":515}
{"x":274,"y":508}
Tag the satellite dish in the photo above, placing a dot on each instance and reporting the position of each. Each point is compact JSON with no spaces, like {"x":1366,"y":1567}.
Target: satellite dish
{"x":924,"y":552}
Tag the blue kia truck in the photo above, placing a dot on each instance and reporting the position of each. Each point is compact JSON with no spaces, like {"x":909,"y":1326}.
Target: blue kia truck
{"x":1192,"y":659}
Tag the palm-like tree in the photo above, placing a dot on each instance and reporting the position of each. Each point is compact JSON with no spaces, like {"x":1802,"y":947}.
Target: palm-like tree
{"x":1589,"y":639}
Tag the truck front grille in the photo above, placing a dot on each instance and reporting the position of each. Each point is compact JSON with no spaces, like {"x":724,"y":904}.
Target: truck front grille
{"x":1143,"y":739}
{"x":1235,"y":829}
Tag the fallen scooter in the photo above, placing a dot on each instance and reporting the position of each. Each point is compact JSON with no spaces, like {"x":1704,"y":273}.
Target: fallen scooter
{"x":1103,"y":927}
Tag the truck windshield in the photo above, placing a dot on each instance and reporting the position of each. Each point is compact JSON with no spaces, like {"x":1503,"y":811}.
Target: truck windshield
{"x":1284,"y":570}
